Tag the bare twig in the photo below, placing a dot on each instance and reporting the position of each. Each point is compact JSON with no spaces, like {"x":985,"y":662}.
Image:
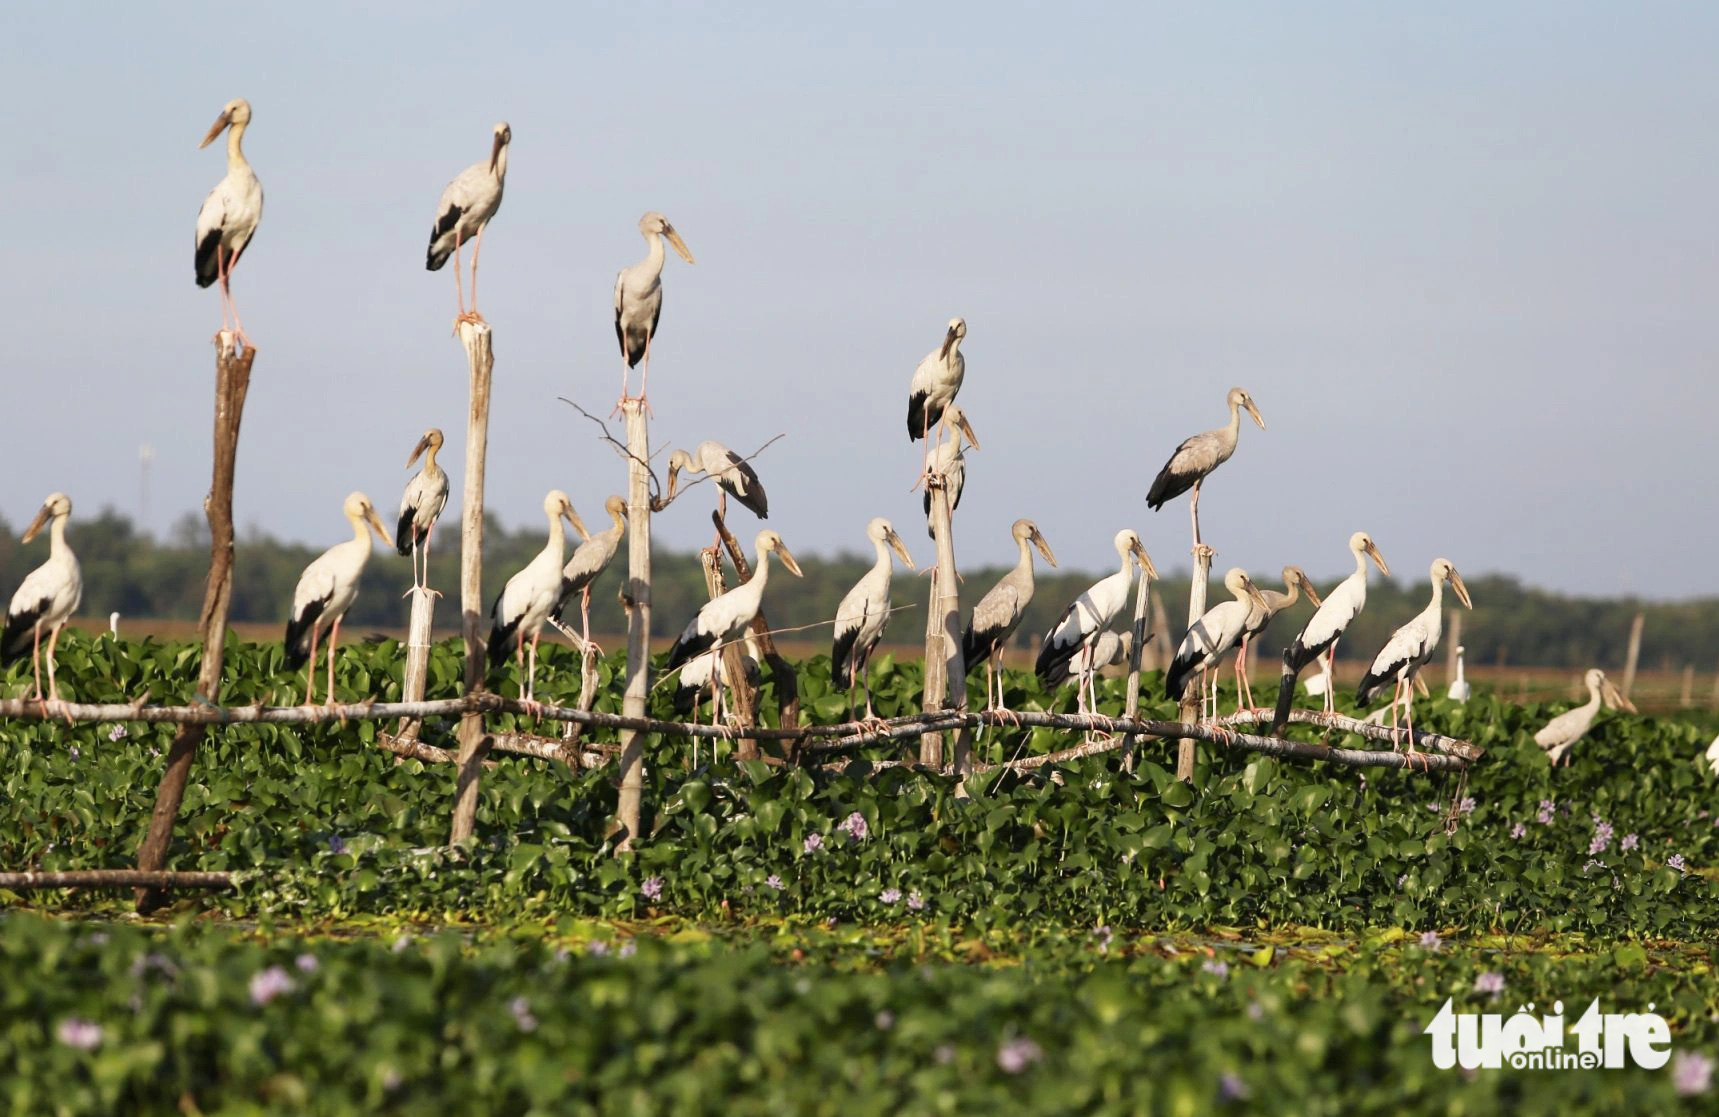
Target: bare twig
{"x":626,"y":455}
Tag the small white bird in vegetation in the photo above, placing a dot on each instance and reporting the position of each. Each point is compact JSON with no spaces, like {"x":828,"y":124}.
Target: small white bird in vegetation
{"x":1563,"y":731}
{"x":48,"y":596}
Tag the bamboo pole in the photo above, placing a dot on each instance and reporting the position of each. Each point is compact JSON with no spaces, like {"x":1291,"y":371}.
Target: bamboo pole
{"x":1634,"y":653}
{"x":480,"y":361}
{"x":1131,"y":705}
{"x":1189,"y":711}
{"x":418,"y":641}
{"x":636,"y":599}
{"x":232,"y":382}
{"x":1452,"y":641}
{"x":945,"y":669}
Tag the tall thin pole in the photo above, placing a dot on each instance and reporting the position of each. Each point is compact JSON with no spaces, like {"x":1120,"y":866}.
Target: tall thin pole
{"x":474,"y":744}
{"x":636,"y":599}
{"x":1634,"y":653}
{"x":417,"y":654}
{"x":1190,"y":707}
{"x":232,"y":382}
{"x":1452,"y":641}
{"x":945,"y":669}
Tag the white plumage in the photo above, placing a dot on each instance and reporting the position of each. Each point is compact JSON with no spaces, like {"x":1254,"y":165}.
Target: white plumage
{"x":48,"y":596}
{"x":639,"y":297}
{"x":1459,"y":690}
{"x":864,"y":612}
{"x":588,"y":563}
{"x":695,"y":677}
{"x":935,"y":382}
{"x":524,"y":604}
{"x":1713,"y":756}
{"x":1079,"y":627}
{"x":726,"y":617}
{"x":1260,"y":616}
{"x":421,"y":505}
{"x":1218,"y":630}
{"x":1320,"y":633}
{"x":326,"y":590}
{"x":999,"y":612}
{"x":948,"y":461}
{"x":230,"y":214}
{"x":1411,"y":647}
{"x":734,"y":476}
{"x":1563,"y":731}
{"x":466,"y":206}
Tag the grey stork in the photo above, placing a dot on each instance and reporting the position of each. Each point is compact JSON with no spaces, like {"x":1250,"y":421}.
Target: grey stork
{"x":1196,"y":457}
{"x":463,"y":212}
{"x":999,"y":612}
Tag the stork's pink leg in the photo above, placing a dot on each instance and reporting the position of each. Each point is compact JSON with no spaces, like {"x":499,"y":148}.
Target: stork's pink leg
{"x":1194,"y":512}
{"x":53,"y":684}
{"x":1331,"y":678}
{"x":310,"y":670}
{"x":333,"y":650}
{"x":227,"y":286}
{"x":459,"y":282}
{"x":645,"y":384}
{"x":476,"y":249}
{"x":36,"y":656}
{"x":585,"y":617}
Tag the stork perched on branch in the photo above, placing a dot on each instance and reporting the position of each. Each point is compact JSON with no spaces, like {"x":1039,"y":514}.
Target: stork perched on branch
{"x":470,"y":200}
{"x":935,"y":382}
{"x":733,"y":474}
{"x":1558,"y":735}
{"x":1320,"y":634}
{"x":1295,"y":581}
{"x":949,"y":463}
{"x":1196,"y":457}
{"x":724,"y":618}
{"x":230,"y":214}
{"x":588,"y":563}
{"x":1216,"y":632}
{"x":421,"y":505}
{"x":863,"y":614}
{"x":639,"y":298}
{"x":525,"y":603}
{"x":999,"y":612}
{"x":326,"y":590}
{"x":48,"y":596}
{"x":1077,"y":631}
{"x":1411,"y":647}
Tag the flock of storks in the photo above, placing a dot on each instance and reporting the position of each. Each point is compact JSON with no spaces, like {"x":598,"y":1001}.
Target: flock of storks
{"x":1077,"y":646}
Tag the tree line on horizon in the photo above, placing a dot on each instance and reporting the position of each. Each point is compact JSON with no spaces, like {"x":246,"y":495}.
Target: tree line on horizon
{"x":140,"y":576}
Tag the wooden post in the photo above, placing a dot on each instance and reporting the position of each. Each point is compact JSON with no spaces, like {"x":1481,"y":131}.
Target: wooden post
{"x":1160,"y":657}
{"x":232,"y":381}
{"x":417,"y":654}
{"x":1190,"y":707}
{"x":636,"y":599}
{"x":1452,"y":641}
{"x":1713,"y":702}
{"x":1634,"y":653}
{"x":1687,"y":699}
{"x":1131,"y":705}
{"x":945,"y":667}
{"x":474,"y":745}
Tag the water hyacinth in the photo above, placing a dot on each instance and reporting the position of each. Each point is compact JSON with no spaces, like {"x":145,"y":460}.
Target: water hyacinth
{"x":1547,"y":810}
{"x":1691,"y":1073}
{"x":520,"y":1007}
{"x":1017,"y":1054}
{"x":1216,"y":968}
{"x":774,"y":881}
{"x":1630,"y":841}
{"x":885,"y":1020}
{"x":1489,"y":982}
{"x":890,"y":895}
{"x":306,"y":963}
{"x":915,"y":902}
{"x":1675,"y":861}
{"x":628,"y":949}
{"x":1602,"y":839}
{"x":854,"y":826}
{"x":652,"y":888}
{"x":1231,"y":1087}
{"x":1519,"y":831}
{"x":1466,"y":806}
{"x":1430,"y":940}
{"x":118,"y":732}
{"x":268,"y":984}
{"x":1103,"y":935}
{"x":79,"y":1034}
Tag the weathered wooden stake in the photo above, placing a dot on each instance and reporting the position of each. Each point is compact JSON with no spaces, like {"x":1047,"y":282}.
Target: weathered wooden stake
{"x":417,"y":654}
{"x":1634,"y":653}
{"x":1713,"y":702}
{"x":1131,"y":706}
{"x":1190,"y":707}
{"x":480,"y":360}
{"x":1160,"y":652}
{"x":636,"y":599}
{"x":232,"y":382}
{"x":945,"y":667}
{"x":1687,"y":699}
{"x":1452,"y":641}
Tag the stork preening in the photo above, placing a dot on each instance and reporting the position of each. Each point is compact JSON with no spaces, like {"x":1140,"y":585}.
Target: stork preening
{"x":949,"y":463}
{"x":421,"y":506}
{"x":1295,"y":582}
{"x":1216,"y":632}
{"x":935,"y":382}
{"x":733,"y":474}
{"x":466,"y":206}
{"x":863,"y":613}
{"x":1077,"y":630}
{"x":1459,"y":690}
{"x":524,"y":604}
{"x":229,"y":215}
{"x":1411,"y":647}
{"x":326,"y":590}
{"x":588,"y":562}
{"x":724,"y":618}
{"x":1320,"y":634}
{"x":48,"y":596}
{"x":1563,"y":731}
{"x":999,"y":612}
{"x":1196,"y":457}
{"x":639,"y":298}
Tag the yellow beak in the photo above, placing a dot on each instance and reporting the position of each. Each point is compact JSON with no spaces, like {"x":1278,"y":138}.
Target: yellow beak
{"x":788,"y":560}
{"x":1044,"y":548}
{"x":217,"y":128}
{"x":679,"y":245}
{"x":1378,"y":559}
{"x":37,"y":524}
{"x":900,"y":548}
{"x":375,"y":521}
{"x":1461,"y":590}
{"x":1145,"y":560}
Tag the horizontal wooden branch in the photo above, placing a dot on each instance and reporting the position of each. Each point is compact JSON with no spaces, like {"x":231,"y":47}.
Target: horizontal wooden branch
{"x":114,"y":878}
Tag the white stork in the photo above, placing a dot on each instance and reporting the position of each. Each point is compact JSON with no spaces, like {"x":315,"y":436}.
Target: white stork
{"x":47,"y":598}
{"x":999,"y":612}
{"x":1079,"y":627}
{"x":466,"y":206}
{"x":1196,"y":457}
{"x":863,"y":613}
{"x":1563,"y":731}
{"x":948,"y":462}
{"x":524,"y":604}
{"x":589,"y":560}
{"x":230,"y":213}
{"x":1410,"y":647}
{"x":639,"y":298}
{"x":421,"y":505}
{"x":326,"y":590}
{"x":1320,"y":634}
{"x":733,"y":474}
{"x":697,"y":675}
{"x":1295,"y":581}
{"x":724,"y":618}
{"x":935,"y":382}
{"x":1216,"y":631}
{"x":1459,"y":690}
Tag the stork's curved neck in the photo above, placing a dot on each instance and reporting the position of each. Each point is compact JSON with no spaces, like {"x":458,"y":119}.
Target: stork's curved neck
{"x":57,"y":547}
{"x":884,"y":562}
{"x":1233,"y":428}
{"x":617,"y":523}
{"x":654,"y":258}
{"x":360,"y":531}
{"x":760,"y":570}
{"x":1593,"y":702}
{"x":235,"y":153}
{"x":1291,"y":593}
{"x":1124,"y":572}
{"x":1025,"y":562}
{"x":557,"y":538}
{"x":1360,"y":566}
{"x":500,"y":171}
{"x":430,"y":466}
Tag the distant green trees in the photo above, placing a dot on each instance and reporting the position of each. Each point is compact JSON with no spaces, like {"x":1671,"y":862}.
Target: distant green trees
{"x":141,"y":576}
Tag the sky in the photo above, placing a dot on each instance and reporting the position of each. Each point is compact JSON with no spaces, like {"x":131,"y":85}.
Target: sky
{"x":1464,"y":257}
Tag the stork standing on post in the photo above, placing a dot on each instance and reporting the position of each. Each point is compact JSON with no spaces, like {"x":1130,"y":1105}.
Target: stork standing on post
{"x":1080,"y":625}
{"x":588,"y":563}
{"x":1320,"y":634}
{"x":466,"y":206}
{"x":949,"y":463}
{"x":1196,"y":457}
{"x":1411,"y":647}
{"x":723,"y":618}
{"x":999,"y":612}
{"x":230,"y":214}
{"x":1216,"y":632}
{"x":935,"y":382}
{"x":326,"y":590}
{"x":639,"y":298}
{"x":524,"y":604}
{"x":48,"y":596}
{"x":863,"y":614}
{"x":421,"y":505}
{"x":1295,"y":581}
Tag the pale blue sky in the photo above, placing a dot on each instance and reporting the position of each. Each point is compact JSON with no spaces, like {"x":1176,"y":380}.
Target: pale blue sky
{"x":1464,"y":257}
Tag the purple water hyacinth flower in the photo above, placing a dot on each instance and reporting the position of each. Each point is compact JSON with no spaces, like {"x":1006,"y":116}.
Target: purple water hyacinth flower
{"x":854,"y":826}
{"x":336,"y":844}
{"x":119,"y":732}
{"x":890,"y":895}
{"x":1675,"y":861}
{"x":915,"y":902}
{"x":774,"y":881}
{"x":1630,"y":841}
{"x":74,"y":752}
{"x":1547,"y":808}
{"x":82,"y":1035}
{"x":1466,"y":806}
{"x":1430,"y":940}
{"x":652,"y":888}
{"x":885,"y":1020}
{"x":628,"y":949}
{"x":1691,"y":1073}
{"x":268,"y":984}
{"x":814,"y":842}
{"x":1017,"y":1054}
{"x":306,"y":963}
{"x":1519,"y":831}
{"x":597,"y":948}
{"x":1489,"y":982}
{"x":521,"y":1009}
{"x":1602,"y":836}
{"x":1255,"y":1011}
{"x":1103,"y":934}
{"x":1216,"y":968}
{"x":1231,"y":1087}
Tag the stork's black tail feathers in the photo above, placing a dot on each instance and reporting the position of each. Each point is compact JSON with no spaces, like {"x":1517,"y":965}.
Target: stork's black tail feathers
{"x":1176,"y":679}
{"x":403,"y":532}
{"x":1295,"y":657}
{"x":298,"y":632}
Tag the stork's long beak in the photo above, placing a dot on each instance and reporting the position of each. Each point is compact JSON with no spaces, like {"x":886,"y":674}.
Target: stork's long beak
{"x":1258,"y":598}
{"x":495,"y":153}
{"x":578,"y":524}
{"x":895,"y":542}
{"x":1312,"y":594}
{"x":679,"y":245}
{"x":423,"y":444}
{"x":1044,"y":548}
{"x":1461,"y":590}
{"x":967,"y":429}
{"x":375,"y":521}
{"x":1139,"y":550}
{"x":948,"y":343}
{"x":788,"y":560}
{"x":1254,"y":411}
{"x":674,"y":479}
{"x":217,"y":128}
{"x":1614,"y":698}
{"x":1378,"y":559}
{"x":43,"y":515}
